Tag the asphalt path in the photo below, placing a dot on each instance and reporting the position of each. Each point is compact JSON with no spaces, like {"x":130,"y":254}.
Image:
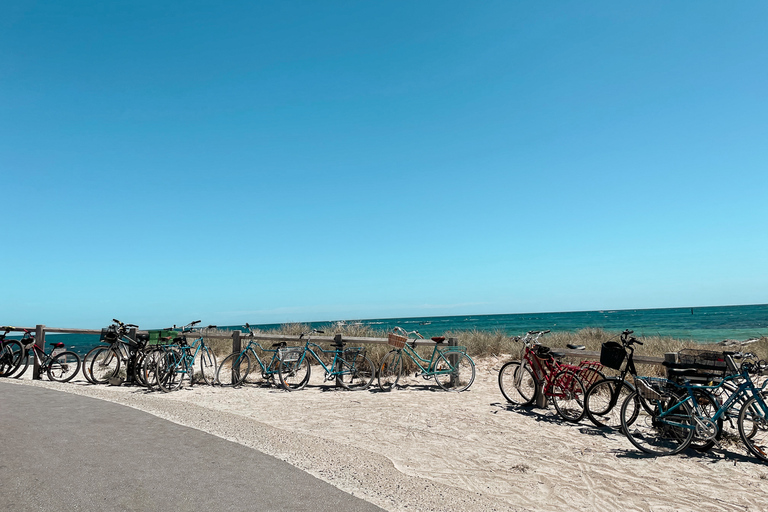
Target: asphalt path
{"x":60,"y":451}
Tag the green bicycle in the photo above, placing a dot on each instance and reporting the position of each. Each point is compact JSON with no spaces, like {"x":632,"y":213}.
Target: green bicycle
{"x":450,"y":366}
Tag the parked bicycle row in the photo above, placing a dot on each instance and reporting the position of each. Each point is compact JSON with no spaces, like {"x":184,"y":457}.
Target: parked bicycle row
{"x":707,"y":395}
{"x":168,"y":359}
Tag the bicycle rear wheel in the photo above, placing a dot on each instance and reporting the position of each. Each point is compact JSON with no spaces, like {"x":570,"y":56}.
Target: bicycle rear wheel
{"x":170,"y":371}
{"x":88,"y":359}
{"x":454,"y":371}
{"x":517,"y":383}
{"x":294,"y":375}
{"x":390,"y":369}
{"x":603,"y":401}
{"x":654,"y":434}
{"x":568,"y":395}
{"x":356,"y":371}
{"x":233,"y":369}
{"x":63,"y":367}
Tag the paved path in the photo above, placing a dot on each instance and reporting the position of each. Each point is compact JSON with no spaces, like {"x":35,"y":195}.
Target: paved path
{"x":61,"y":451}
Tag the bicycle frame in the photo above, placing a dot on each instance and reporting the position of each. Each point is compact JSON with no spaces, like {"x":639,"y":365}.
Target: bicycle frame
{"x":338,"y":355}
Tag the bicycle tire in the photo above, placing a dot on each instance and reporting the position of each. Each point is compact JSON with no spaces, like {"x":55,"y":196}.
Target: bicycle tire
{"x":460,"y":373}
{"x":518,"y":388}
{"x":390,"y":370}
{"x":604,"y":399}
{"x":88,"y":359}
{"x":567,"y":393}
{"x":170,"y":371}
{"x":753,"y":428}
{"x":105,"y":365}
{"x":208,"y":366}
{"x":11,"y":356}
{"x":294,"y":375}
{"x":233,"y":369}
{"x":63,"y":367}
{"x":148,"y":367}
{"x":356,"y":372}
{"x":652,"y":435}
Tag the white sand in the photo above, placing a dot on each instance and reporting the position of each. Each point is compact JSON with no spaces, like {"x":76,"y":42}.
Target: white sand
{"x":423,"y":449}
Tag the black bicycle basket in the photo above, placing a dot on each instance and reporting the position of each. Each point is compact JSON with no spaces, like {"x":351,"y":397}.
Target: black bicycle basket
{"x":612,"y":355}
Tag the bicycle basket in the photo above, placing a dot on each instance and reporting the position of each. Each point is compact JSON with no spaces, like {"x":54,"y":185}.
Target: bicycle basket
{"x":651,"y":388}
{"x":612,"y":355}
{"x":703,"y":359}
{"x":108,"y":334}
{"x":396,"y":340}
{"x":543,"y":352}
{"x":290,"y":354}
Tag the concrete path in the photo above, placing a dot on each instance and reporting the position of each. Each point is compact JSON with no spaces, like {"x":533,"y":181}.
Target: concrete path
{"x":60,"y":451}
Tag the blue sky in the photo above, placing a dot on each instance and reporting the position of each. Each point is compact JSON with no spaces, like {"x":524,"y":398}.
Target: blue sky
{"x":304,"y":161}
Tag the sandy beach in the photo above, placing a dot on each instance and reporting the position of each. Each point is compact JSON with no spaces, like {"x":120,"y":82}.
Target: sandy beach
{"x":419,"y":448}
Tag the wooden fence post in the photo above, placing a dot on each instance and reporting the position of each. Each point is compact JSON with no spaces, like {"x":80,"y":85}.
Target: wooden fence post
{"x":453,"y":358}
{"x":236,"y":347}
{"x":40,"y":342}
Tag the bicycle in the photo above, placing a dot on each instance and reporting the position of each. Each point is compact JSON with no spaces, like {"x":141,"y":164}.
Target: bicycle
{"x":450,"y":366}
{"x":538,"y":371}
{"x":605,"y":397}
{"x":60,"y":365}
{"x":350,"y":367}
{"x":673,"y":415}
{"x":178,"y":361}
{"x":10,"y":353}
{"x":106,"y":361}
{"x":236,"y":367}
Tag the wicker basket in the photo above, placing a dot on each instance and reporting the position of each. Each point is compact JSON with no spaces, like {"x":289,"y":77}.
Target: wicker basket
{"x":396,"y":340}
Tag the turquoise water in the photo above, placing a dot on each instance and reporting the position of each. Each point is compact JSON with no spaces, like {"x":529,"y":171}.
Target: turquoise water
{"x":706,"y":324}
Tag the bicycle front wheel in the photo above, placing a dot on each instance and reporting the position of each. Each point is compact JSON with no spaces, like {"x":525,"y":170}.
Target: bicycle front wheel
{"x":657,"y":430}
{"x":603,"y":401}
{"x":455,"y":371}
{"x":568,"y":395}
{"x":11,"y":357}
{"x":170,"y":371}
{"x":64,"y":367}
{"x":517,"y":383}
{"x":105,"y":364}
{"x":356,"y":372}
{"x":753,"y":428}
{"x":390,"y":369}
{"x":233,"y":369}
{"x":208,"y":366}
{"x":294,"y":375}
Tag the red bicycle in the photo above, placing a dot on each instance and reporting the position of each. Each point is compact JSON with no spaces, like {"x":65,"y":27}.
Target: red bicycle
{"x":539,"y":371}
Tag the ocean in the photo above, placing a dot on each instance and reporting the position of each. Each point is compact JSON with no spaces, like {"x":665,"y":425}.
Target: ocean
{"x":699,"y":324}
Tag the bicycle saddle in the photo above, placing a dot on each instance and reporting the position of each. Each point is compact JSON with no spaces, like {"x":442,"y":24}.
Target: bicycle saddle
{"x":575,"y":347}
{"x":57,"y":345}
{"x":438,"y":339}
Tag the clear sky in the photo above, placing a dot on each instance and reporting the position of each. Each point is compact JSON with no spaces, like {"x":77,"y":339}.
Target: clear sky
{"x":163,"y":162}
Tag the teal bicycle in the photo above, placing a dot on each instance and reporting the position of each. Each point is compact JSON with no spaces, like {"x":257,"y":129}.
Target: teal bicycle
{"x":349,"y":367}
{"x":675,"y":415}
{"x":178,"y":361}
{"x":450,"y":366}
{"x":236,"y":368}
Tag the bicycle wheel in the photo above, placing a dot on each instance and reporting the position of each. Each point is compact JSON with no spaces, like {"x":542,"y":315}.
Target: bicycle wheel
{"x":657,"y":435}
{"x":88,"y":359}
{"x":148,"y":367}
{"x":294,"y":375}
{"x":233,"y":369}
{"x":568,"y":395}
{"x":24,"y":359}
{"x":454,"y":371}
{"x":208,"y":366}
{"x":390,"y":369}
{"x":603,"y":401}
{"x":707,"y":431}
{"x":356,"y":371}
{"x":753,"y":428}
{"x":63,"y":367}
{"x":105,"y":364}
{"x":11,"y":357}
{"x":170,"y":371}
{"x":517,"y":383}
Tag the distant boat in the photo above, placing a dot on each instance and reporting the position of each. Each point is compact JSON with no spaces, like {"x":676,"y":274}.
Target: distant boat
{"x":425,"y":323}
